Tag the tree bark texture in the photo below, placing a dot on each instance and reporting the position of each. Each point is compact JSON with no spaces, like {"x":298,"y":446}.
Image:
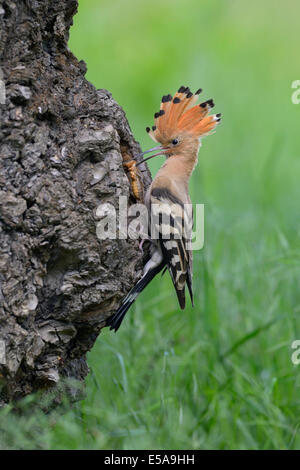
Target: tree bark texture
{"x":61,"y":145}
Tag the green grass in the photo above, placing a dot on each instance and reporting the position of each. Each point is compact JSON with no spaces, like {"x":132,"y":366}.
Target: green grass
{"x":218,"y":376}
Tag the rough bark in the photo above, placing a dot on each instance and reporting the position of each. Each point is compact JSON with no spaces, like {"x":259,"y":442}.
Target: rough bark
{"x":60,"y":148}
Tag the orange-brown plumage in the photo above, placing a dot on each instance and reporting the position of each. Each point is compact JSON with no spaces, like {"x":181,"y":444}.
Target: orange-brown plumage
{"x":178,"y":127}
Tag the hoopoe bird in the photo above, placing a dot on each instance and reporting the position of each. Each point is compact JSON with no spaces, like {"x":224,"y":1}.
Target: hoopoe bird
{"x":178,"y":128}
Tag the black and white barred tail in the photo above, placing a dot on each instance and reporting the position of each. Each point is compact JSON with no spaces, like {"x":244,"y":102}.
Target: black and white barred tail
{"x":115,"y":320}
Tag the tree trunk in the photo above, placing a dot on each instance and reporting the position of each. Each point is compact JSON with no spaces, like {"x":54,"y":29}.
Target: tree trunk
{"x":61,"y":146}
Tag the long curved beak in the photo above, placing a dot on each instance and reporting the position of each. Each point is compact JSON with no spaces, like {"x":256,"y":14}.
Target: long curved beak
{"x":162,"y":151}
{"x":159,"y":147}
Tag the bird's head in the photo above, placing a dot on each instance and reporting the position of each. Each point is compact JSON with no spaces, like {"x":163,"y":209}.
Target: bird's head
{"x":181,"y":123}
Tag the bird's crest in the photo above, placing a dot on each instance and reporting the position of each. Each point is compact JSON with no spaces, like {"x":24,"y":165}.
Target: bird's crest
{"x":181,"y":114}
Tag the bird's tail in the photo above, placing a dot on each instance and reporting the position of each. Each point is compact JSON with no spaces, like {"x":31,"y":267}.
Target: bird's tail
{"x":116,"y":319}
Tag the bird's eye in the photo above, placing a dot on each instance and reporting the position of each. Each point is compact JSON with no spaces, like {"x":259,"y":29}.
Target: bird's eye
{"x":175,"y":141}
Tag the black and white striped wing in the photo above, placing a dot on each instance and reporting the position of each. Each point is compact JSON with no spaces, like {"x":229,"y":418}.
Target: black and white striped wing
{"x":171,"y":225}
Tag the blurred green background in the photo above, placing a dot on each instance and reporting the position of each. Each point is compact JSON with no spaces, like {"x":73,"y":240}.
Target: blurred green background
{"x":218,"y":376}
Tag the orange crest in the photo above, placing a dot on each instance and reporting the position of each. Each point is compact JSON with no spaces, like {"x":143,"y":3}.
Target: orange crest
{"x":181,"y":114}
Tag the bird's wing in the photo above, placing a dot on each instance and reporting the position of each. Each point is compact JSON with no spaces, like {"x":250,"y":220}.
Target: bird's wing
{"x":171,"y":225}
